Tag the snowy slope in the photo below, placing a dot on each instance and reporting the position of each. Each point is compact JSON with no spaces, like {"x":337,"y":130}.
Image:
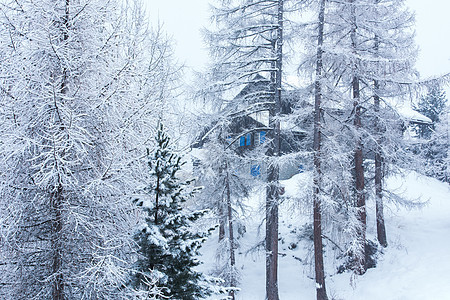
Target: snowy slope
{"x":415,"y":266}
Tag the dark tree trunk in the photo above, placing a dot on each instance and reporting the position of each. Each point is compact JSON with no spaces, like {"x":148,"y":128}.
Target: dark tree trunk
{"x":57,"y":196}
{"x":360,"y":258}
{"x":379,"y":176}
{"x":157,"y":190}
{"x":57,"y":239}
{"x":359,"y":184}
{"x":272,"y":193}
{"x":272,"y":239}
{"x":222,"y":221}
{"x":381,"y":229}
{"x":233,"y":282}
{"x":321,"y":292}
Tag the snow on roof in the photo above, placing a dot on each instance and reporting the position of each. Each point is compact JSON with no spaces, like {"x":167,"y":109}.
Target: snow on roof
{"x":287,"y":125}
{"x":408,"y":114}
{"x":198,"y":153}
{"x":261,"y":117}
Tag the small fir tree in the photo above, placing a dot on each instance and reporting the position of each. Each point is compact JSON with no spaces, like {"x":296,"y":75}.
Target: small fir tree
{"x":431,"y":105}
{"x":168,"y":246}
{"x":434,"y":149}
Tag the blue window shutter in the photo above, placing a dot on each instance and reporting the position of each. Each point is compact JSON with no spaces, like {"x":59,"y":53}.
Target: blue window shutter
{"x":242,"y":141}
{"x":301,"y":168}
{"x":262,"y":137}
{"x":249,"y":139}
{"x":255,"y":170}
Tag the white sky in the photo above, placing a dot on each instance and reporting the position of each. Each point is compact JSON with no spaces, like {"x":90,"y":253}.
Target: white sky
{"x":433,"y":35}
{"x":183,"y":20}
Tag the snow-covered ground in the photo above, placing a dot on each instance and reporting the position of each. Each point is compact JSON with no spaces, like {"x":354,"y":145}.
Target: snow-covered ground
{"x":415,"y":266}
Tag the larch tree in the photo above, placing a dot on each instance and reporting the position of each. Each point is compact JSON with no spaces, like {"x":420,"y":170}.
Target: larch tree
{"x":80,"y":88}
{"x":360,"y":201}
{"x":225,"y":192}
{"x":388,"y":60}
{"x":367,"y":54}
{"x":382,"y":55}
{"x":381,"y":228}
{"x":321,"y":293}
{"x":330,"y":43}
{"x":249,"y":42}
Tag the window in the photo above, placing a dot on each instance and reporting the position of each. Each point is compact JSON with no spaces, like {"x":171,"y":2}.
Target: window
{"x":262,"y":137}
{"x":255,"y":170}
{"x":196,"y":164}
{"x":301,"y":168}
{"x":245,"y":140}
{"x":242,"y":141}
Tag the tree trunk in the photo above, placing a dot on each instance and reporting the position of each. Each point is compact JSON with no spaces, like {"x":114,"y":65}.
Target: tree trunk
{"x":233,"y":282}
{"x":222,"y":221}
{"x":360,"y":257}
{"x":157,"y":190}
{"x":359,"y":184}
{"x":272,"y":239}
{"x":57,"y":239}
{"x":272,"y":193}
{"x":321,"y":292}
{"x":57,"y":196}
{"x":381,"y":229}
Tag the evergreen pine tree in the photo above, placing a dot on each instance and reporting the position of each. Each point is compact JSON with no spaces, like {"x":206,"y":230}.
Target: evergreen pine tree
{"x":434,"y":148}
{"x":437,"y":150}
{"x":431,"y":105}
{"x":168,"y":247}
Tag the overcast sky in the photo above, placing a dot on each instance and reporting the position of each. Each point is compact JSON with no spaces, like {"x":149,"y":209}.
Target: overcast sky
{"x":183,"y":20}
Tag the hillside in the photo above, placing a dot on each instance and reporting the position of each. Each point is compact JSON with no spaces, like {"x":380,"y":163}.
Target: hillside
{"x":415,"y":266}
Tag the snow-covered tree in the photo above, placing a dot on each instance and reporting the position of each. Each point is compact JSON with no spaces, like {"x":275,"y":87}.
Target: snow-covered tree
{"x":440,"y":144}
{"x":81,"y":83}
{"x":434,"y":149}
{"x":168,"y":245}
{"x":248,"y":41}
{"x":321,"y":292}
{"x":432,"y":105}
{"x":226,"y":189}
{"x":366,"y":54}
{"x":391,"y":70}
